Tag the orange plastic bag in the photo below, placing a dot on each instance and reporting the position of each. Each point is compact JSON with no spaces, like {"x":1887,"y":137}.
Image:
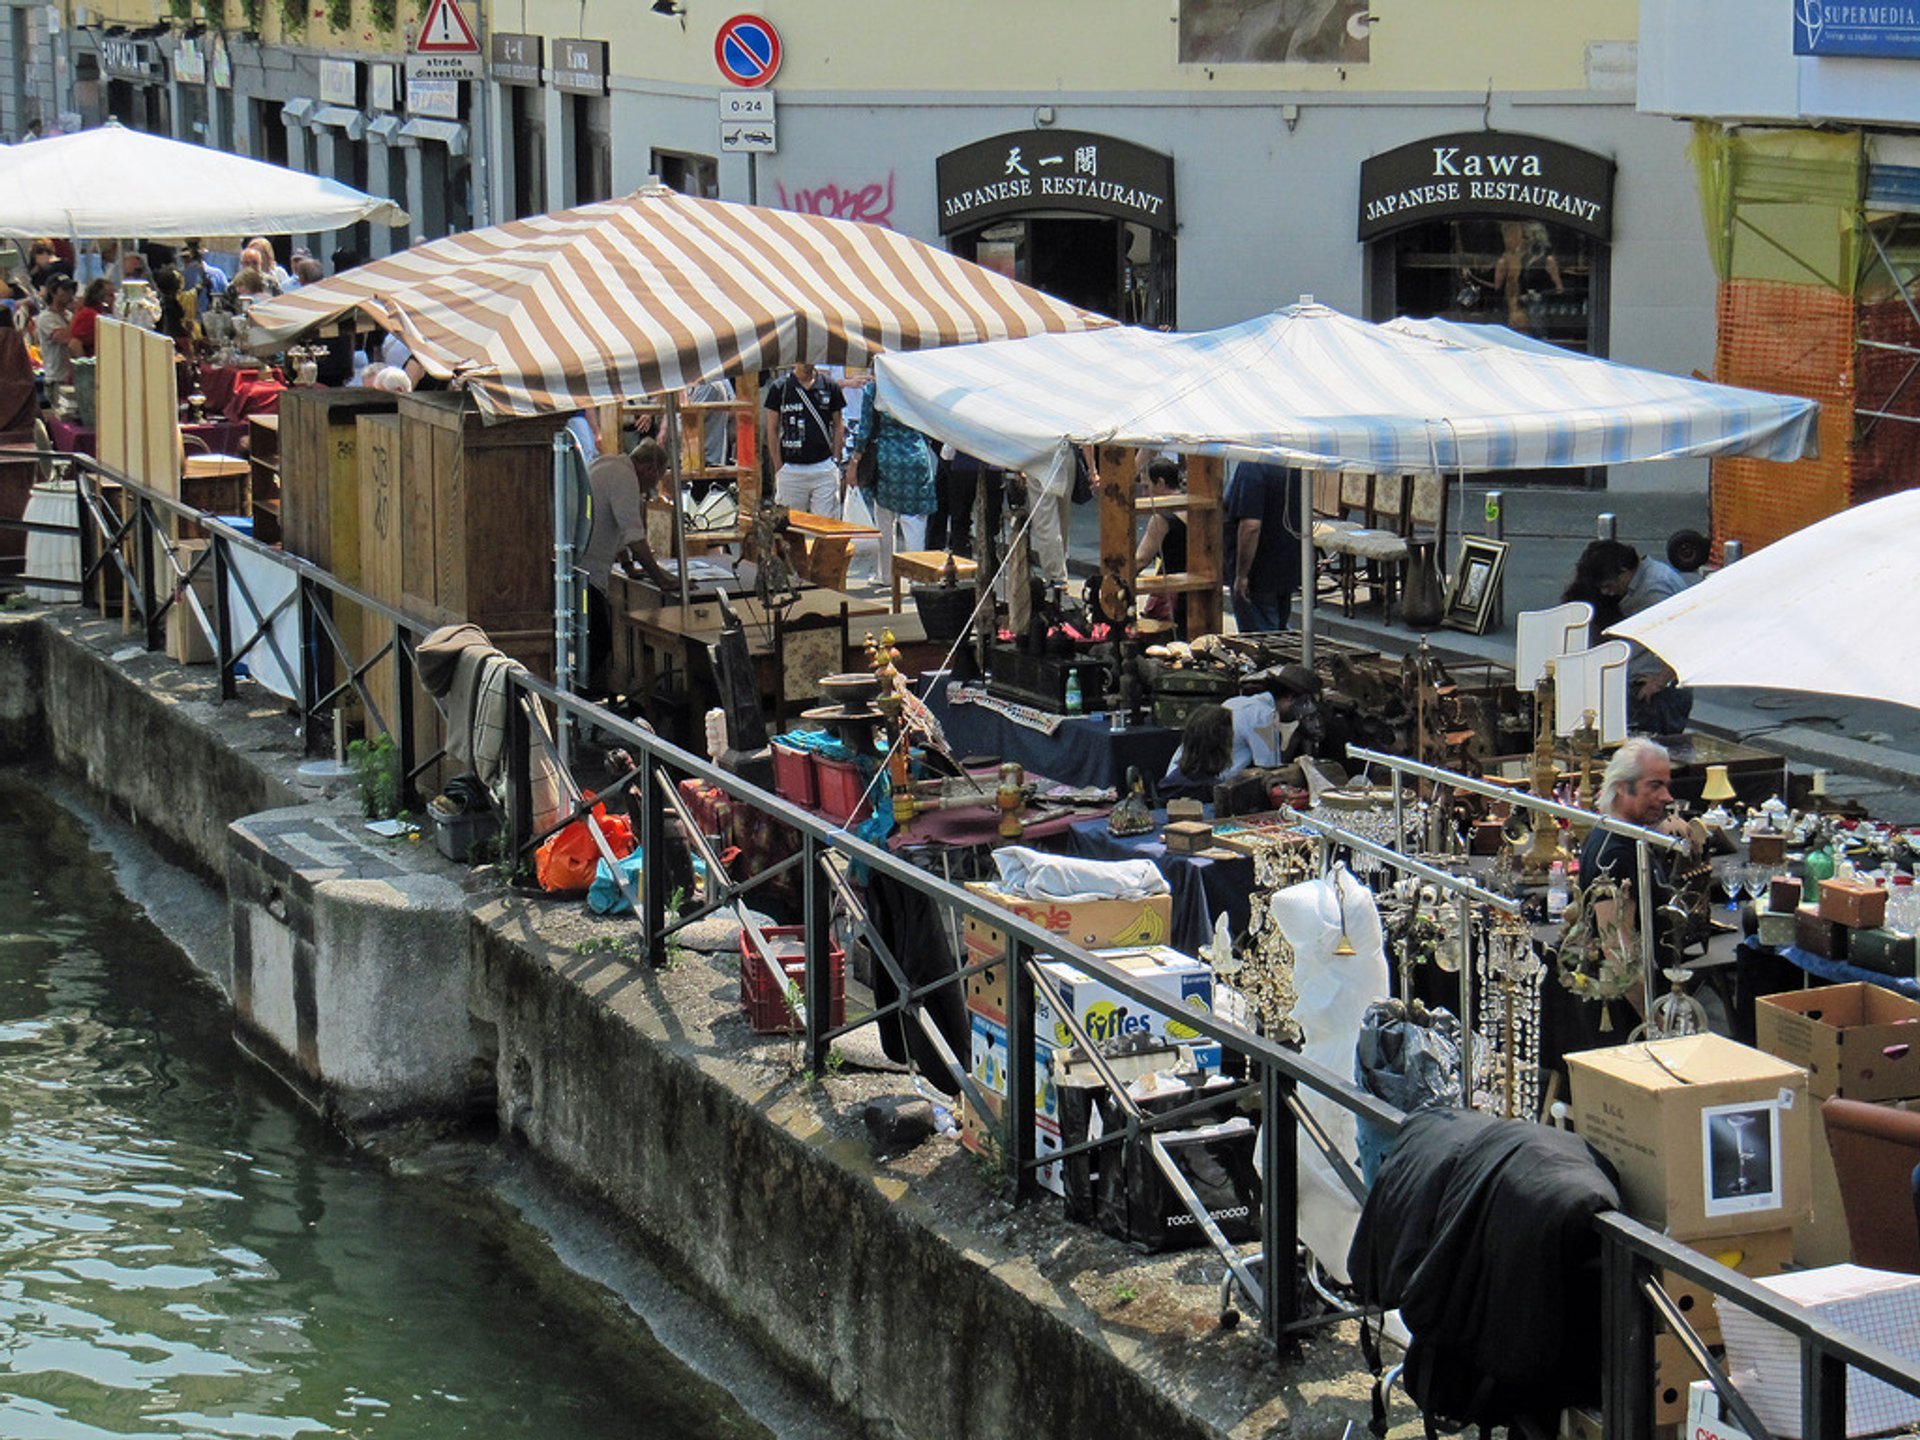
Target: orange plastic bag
{"x":564,"y":864}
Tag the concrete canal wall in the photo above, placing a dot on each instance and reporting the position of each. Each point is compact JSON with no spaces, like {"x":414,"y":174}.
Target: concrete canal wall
{"x":385,"y":984}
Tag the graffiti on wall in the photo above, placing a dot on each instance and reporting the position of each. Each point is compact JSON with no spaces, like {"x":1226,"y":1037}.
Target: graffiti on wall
{"x":872,"y":202}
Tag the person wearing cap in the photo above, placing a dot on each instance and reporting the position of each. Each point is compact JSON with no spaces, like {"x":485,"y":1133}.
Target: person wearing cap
{"x":1279,"y":723}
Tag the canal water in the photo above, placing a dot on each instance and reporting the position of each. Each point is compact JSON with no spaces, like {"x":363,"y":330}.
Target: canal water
{"x":190,"y":1254}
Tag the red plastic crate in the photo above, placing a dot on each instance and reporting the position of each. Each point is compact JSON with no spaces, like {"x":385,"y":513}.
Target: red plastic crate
{"x":793,"y":775}
{"x":842,"y":789}
{"x":766,"y":1007}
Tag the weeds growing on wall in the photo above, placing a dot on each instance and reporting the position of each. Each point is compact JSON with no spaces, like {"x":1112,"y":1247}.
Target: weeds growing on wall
{"x":181,"y":10}
{"x":385,"y":15}
{"x":250,"y":13}
{"x":293,"y":15}
{"x":376,"y":770}
{"x":340,"y":14}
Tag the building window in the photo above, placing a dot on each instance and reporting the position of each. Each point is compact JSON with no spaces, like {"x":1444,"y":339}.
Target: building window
{"x":696,"y":175}
{"x":1111,"y":267}
{"x":591,"y":140}
{"x":1541,"y":279}
{"x":528,"y":116}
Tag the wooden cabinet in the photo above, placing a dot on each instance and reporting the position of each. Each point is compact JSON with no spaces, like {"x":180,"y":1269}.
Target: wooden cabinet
{"x":1122,"y":512}
{"x":320,"y":474}
{"x":263,"y":476}
{"x":476,"y":523}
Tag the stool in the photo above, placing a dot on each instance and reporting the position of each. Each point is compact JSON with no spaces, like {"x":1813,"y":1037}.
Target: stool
{"x":926,"y":567}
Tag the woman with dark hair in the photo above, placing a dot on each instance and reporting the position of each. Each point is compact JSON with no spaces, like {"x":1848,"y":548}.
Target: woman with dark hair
{"x":97,"y":301}
{"x":175,"y":323}
{"x":1205,"y":756}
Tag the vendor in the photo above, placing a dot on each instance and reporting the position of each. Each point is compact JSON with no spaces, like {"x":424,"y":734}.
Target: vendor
{"x":1656,"y":703}
{"x":621,"y":485}
{"x":1279,"y":723}
{"x":1205,"y":756}
{"x":1636,"y":787}
{"x":1165,"y":540}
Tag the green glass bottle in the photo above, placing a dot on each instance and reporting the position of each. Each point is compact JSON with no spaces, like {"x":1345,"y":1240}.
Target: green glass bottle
{"x":1818,"y":866}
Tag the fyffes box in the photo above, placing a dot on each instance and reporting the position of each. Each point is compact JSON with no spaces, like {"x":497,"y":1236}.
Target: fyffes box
{"x":1107,"y":1015}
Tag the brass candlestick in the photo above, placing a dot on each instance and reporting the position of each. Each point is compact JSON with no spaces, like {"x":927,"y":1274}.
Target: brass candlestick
{"x":1546,"y":774}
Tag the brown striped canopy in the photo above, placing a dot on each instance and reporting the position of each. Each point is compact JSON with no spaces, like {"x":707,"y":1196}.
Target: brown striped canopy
{"x":659,"y":291}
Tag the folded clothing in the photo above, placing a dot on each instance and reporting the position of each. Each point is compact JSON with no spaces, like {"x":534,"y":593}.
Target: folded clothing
{"x":1037,"y":875}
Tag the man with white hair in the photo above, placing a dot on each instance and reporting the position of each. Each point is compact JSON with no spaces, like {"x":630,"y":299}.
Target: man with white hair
{"x":1637,"y":787}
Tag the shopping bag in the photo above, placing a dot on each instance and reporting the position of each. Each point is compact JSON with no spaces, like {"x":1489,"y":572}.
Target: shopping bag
{"x":865,"y":560}
{"x":564,"y":865}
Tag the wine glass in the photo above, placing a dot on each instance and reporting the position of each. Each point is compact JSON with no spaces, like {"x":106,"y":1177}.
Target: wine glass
{"x":1756,"y":879}
{"x":1727,"y":874}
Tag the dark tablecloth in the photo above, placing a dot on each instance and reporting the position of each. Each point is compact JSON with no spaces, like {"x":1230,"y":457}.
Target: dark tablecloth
{"x":1838,"y":972}
{"x":1082,"y":751}
{"x":222,"y":438}
{"x":1202,"y":887}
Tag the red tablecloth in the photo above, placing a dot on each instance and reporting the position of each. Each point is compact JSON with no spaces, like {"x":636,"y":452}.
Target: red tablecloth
{"x":217,"y":382}
{"x":222,"y":437}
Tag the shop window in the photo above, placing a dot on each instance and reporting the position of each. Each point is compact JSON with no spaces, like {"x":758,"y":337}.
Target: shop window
{"x":269,"y":134}
{"x":592,"y":146}
{"x":1543,"y":280}
{"x":1111,"y":267}
{"x":696,"y":175}
{"x":527,"y":114}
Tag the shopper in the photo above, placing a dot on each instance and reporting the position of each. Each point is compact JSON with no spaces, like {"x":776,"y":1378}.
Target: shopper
{"x":903,"y":491}
{"x":1165,"y":540}
{"x":1261,"y":546}
{"x":1657,"y":704}
{"x":53,"y":332}
{"x":97,"y":301}
{"x":805,"y":433}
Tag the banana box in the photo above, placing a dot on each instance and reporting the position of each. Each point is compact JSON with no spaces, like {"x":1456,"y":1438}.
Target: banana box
{"x":1107,"y":1015}
{"x":1088,"y":923}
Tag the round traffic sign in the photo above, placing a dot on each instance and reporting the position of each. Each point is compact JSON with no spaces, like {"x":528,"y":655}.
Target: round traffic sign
{"x":747,"y":50}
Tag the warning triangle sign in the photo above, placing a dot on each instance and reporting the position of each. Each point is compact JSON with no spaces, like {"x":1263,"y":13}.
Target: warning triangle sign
{"x":445,"y":31}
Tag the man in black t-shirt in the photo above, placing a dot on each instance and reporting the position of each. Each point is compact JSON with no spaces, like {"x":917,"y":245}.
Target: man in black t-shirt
{"x":805,"y":432}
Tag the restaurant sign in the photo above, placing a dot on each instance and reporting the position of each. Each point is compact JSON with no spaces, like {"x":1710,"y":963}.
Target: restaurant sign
{"x":514,"y":59}
{"x":1487,"y":173}
{"x":189,"y":61}
{"x":580,"y":66}
{"x":1822,"y":27}
{"x":129,"y":59}
{"x":1029,"y":171}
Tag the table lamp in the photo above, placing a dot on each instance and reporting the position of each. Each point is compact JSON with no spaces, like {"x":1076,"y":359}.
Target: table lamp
{"x":1718,"y":787}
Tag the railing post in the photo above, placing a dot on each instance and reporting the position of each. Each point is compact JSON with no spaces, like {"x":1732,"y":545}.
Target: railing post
{"x":309,"y":654}
{"x":819,"y":939}
{"x":1626,"y":1343}
{"x":94,"y":592}
{"x":404,"y":739}
{"x":145,"y":536}
{"x":222,"y":620}
{"x":1279,"y":1203}
{"x":519,"y":777}
{"x":653,"y":858}
{"x":1823,"y":1393}
{"x":1017,"y":1123}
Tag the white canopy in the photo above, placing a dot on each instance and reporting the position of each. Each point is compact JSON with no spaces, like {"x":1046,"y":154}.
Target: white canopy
{"x":1321,"y":389}
{"x":1823,"y":609}
{"x":112,"y":181}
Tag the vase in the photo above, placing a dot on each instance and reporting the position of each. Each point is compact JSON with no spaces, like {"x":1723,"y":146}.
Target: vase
{"x":1424,"y":600}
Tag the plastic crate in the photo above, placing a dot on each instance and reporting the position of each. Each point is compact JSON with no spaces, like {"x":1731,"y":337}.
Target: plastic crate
{"x":842,"y":790}
{"x":460,"y":835}
{"x":793,"y":775}
{"x":766,"y":1007}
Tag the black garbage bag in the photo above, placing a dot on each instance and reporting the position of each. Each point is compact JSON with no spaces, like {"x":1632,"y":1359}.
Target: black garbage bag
{"x":1136,"y":1203}
{"x":1410,"y":1058}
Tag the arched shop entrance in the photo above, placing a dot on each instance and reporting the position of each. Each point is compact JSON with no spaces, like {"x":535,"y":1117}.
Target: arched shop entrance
{"x":1492,"y":227}
{"x":1086,"y":218}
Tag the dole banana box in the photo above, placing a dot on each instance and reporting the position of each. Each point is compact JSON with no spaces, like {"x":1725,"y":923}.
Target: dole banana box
{"x":1107,"y":1015}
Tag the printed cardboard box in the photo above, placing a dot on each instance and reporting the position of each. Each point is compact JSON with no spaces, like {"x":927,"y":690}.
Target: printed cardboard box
{"x":1090,"y":924}
{"x":1858,"y":1041}
{"x":1710,"y":1137}
{"x":1764,"y":1252}
{"x":1107,"y":1015}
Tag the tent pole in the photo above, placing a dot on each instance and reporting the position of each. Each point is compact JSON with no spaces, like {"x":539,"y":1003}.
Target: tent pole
{"x":679,"y":513}
{"x":1306,"y":567}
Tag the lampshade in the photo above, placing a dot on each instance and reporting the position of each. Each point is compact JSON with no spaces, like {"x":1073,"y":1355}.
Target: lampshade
{"x":1718,"y":786}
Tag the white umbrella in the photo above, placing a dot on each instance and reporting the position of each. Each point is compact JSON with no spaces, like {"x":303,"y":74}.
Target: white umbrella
{"x":1820,"y":610}
{"x":114,"y":182}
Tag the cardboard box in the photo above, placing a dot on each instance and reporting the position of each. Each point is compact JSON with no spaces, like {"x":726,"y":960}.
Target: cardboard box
{"x":1674,"y":1372}
{"x":1710,"y":1137}
{"x":1853,"y":902}
{"x":1858,"y":1041}
{"x":1107,"y":1015}
{"x":1091,"y":923}
{"x":987,"y":1063}
{"x":1765,"y":1252}
{"x":1817,"y":935}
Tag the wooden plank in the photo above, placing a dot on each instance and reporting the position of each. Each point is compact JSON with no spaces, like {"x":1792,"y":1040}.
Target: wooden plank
{"x":1205,"y":496}
{"x":1118,"y":468}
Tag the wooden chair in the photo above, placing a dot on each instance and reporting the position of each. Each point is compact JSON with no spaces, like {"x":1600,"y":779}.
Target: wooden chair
{"x":805,"y":648}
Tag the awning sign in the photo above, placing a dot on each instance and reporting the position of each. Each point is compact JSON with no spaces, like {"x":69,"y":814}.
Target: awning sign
{"x":1487,"y":173}
{"x":1034,"y":171}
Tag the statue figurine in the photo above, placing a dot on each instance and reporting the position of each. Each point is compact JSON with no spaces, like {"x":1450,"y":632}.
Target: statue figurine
{"x":1011,"y":798}
{"x":1132,"y":816}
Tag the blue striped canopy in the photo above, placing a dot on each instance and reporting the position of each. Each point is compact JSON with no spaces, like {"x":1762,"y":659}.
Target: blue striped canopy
{"x":1310,"y":386}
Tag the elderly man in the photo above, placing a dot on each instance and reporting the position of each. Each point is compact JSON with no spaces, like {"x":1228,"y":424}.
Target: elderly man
{"x":1636,"y":787}
{"x":1656,"y":705}
{"x":621,"y":485}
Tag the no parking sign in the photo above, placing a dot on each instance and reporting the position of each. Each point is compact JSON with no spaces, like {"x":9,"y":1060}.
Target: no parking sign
{"x":747,"y":50}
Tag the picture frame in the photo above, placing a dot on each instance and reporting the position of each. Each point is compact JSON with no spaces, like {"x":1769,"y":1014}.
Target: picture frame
{"x":1475,"y":584}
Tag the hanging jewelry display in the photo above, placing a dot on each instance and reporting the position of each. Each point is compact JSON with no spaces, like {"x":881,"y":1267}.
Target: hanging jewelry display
{"x":1418,"y":928}
{"x":1263,"y":972}
{"x":1507,"y":1053}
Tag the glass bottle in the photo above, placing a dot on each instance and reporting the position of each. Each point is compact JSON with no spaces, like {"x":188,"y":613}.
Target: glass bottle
{"x":1816,"y":867}
{"x":1074,"y":703}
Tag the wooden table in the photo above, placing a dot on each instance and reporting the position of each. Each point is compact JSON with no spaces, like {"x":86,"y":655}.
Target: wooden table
{"x":926,"y":567}
{"x":829,"y":545}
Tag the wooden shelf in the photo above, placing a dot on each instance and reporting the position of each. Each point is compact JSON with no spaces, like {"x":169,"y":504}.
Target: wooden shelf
{"x":1181,"y":582}
{"x":1122,"y":513}
{"x":1176,"y":504}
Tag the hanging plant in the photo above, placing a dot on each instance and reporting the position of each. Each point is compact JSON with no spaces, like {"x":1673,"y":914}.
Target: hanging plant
{"x":293,"y":15}
{"x":181,"y":10}
{"x":250,"y":12}
{"x":340,"y":14}
{"x":385,"y":15}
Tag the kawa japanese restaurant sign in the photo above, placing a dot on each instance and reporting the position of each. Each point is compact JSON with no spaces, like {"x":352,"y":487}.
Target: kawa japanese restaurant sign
{"x":1487,"y":173}
{"x":1030,"y":171}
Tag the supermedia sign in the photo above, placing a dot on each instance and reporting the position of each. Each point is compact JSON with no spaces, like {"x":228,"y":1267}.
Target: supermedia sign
{"x":1820,"y":28}
{"x":1488,"y":173}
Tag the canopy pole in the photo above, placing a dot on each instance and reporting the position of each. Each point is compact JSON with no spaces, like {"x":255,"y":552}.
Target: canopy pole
{"x":679,"y":514}
{"x":1306,"y":567}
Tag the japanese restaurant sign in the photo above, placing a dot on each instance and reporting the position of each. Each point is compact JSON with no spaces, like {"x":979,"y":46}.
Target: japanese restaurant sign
{"x":1487,"y":172}
{"x":580,"y":66}
{"x":1061,"y":170}
{"x":514,"y":59}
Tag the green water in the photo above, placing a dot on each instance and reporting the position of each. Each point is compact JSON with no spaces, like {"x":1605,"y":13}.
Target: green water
{"x":186,"y":1253}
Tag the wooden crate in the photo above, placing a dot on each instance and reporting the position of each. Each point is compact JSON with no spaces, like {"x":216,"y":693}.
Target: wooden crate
{"x":476,"y":516}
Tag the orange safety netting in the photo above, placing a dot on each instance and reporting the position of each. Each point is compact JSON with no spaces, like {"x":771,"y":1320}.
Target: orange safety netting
{"x":1797,"y":340}
{"x":1886,"y":452}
